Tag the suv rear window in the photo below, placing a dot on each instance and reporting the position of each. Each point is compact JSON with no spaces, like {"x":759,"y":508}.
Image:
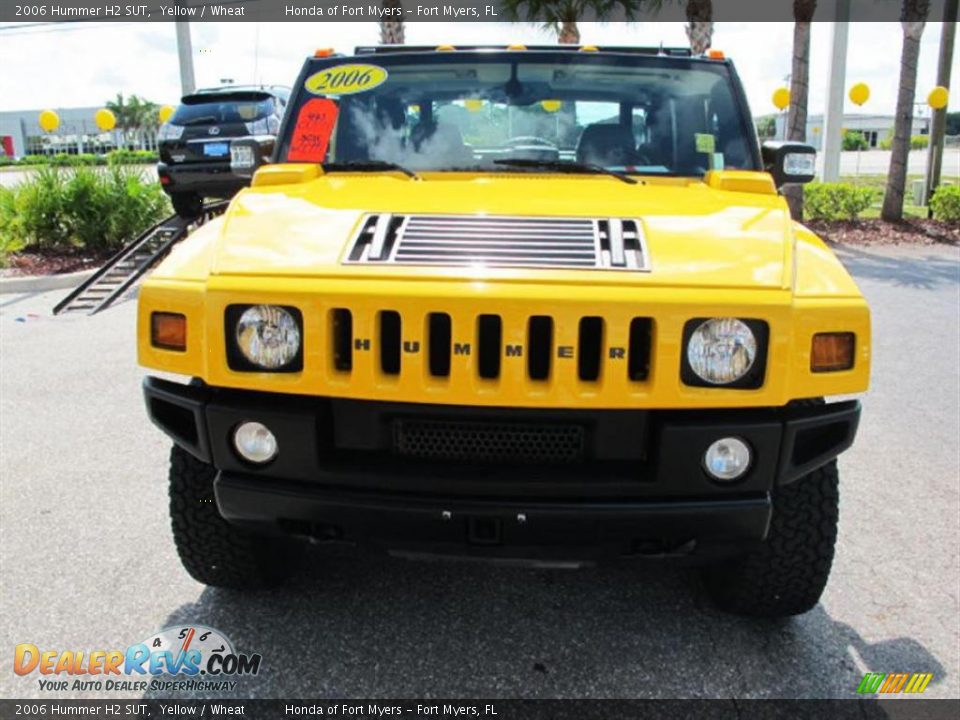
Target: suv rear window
{"x":217,"y":109}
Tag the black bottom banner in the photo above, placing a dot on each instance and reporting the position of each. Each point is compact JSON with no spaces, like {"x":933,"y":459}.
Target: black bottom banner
{"x":854,"y":709}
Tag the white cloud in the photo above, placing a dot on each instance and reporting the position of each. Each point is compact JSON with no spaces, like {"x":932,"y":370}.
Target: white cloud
{"x":82,"y":65}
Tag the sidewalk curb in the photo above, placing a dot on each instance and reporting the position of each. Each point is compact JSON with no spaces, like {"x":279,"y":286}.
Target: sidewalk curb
{"x":39,"y":283}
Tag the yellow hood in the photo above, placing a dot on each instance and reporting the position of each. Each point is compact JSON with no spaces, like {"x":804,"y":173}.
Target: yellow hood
{"x":697,"y":235}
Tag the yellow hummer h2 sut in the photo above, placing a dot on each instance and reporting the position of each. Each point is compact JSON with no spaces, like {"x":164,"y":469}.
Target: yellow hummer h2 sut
{"x":537,"y":305}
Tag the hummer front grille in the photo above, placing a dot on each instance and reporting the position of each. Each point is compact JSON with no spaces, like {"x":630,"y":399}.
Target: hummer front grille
{"x":500,"y":241}
{"x":486,"y":342}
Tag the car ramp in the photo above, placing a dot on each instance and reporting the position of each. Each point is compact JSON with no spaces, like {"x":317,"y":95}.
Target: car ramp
{"x":124,"y":269}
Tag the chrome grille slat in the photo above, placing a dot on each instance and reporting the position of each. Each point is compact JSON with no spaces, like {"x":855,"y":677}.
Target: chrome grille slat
{"x":468,"y":233}
{"x":500,"y":241}
{"x":496,"y":222}
{"x":529,"y":242}
{"x":528,"y":262}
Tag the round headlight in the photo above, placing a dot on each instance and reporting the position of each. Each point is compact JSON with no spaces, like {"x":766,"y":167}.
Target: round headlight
{"x":268,"y":336}
{"x":722,"y":350}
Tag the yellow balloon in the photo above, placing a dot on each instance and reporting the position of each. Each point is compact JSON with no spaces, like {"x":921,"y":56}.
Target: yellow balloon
{"x":473,"y":104}
{"x":105,"y":119}
{"x":49,"y":120}
{"x":938,"y":97}
{"x":781,"y":98}
{"x":859,"y":93}
{"x":551,"y":106}
{"x":165,"y":113}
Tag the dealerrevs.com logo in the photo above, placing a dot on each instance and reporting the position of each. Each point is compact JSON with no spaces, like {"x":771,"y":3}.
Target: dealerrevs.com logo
{"x":195,"y":657}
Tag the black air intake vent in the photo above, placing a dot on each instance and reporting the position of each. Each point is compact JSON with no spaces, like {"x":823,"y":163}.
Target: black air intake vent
{"x":501,"y":241}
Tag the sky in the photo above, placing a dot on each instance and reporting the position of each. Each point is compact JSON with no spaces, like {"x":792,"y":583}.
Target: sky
{"x":85,"y":64}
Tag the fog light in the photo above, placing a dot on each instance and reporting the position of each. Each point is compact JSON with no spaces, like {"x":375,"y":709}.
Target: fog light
{"x":727,"y":459}
{"x":255,"y":443}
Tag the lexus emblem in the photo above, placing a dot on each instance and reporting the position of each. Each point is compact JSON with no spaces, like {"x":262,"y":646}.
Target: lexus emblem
{"x":214,"y":130}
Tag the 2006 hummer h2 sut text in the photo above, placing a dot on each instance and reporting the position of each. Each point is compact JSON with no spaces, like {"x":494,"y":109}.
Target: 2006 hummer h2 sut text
{"x":536,"y":305}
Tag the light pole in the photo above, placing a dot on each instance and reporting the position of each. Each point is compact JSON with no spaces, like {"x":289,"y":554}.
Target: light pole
{"x":938,"y":123}
{"x":833,"y":118}
{"x":185,"y":52}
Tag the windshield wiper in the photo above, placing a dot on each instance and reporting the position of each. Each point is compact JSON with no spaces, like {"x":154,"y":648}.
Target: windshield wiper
{"x":565,"y":166}
{"x":362,"y":165}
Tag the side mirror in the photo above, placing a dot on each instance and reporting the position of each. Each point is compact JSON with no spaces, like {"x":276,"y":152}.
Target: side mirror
{"x":789,"y":162}
{"x":247,"y":154}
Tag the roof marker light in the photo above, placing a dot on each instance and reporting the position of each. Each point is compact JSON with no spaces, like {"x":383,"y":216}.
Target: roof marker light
{"x":516,"y":46}
{"x":715,"y":54}
{"x":323,"y":52}
{"x":589,"y":48}
{"x":445,"y":48}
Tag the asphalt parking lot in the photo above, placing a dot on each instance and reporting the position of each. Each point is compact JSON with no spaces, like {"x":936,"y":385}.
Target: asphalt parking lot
{"x":88,"y":561}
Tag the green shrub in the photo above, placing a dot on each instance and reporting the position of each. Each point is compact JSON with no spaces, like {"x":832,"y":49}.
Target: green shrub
{"x":836,"y":201}
{"x":131,"y":157}
{"x":98,"y":210}
{"x":40,"y":218}
{"x":10,"y":242}
{"x":34,"y":160}
{"x":114,"y":157}
{"x":854,"y":140}
{"x":132,"y":203}
{"x":945,"y":203}
{"x":79,"y":160}
{"x":917,"y":142}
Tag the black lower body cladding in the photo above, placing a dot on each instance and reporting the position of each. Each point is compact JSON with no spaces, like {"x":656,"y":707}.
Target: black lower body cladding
{"x":498,"y":483}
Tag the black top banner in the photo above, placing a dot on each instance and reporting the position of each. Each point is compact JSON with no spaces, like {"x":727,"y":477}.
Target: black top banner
{"x":52,"y":11}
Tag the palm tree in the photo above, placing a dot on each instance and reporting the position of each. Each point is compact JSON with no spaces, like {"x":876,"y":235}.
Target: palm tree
{"x":392,"y":31}
{"x":913,"y":16}
{"x":799,"y":91}
{"x":134,"y":115}
{"x":120,"y":108}
{"x":562,"y":16}
{"x":700,"y":26}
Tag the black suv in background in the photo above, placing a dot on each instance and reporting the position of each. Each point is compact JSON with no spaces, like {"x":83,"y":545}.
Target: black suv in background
{"x":195,"y":145}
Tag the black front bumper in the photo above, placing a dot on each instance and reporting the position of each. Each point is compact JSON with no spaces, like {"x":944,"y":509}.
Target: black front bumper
{"x":639,"y":488}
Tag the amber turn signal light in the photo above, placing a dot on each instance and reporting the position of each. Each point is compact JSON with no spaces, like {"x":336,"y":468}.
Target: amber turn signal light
{"x":832,"y":352}
{"x":168,"y":331}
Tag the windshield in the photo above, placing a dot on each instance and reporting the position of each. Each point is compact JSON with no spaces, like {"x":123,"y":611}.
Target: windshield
{"x":215,"y":110}
{"x":644,"y":115}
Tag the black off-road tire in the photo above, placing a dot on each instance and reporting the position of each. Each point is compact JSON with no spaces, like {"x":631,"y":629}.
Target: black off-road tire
{"x":187,"y":205}
{"x":213,"y":551}
{"x":787,"y":574}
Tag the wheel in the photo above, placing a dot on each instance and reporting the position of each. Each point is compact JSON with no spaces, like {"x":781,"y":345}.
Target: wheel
{"x":213,"y":551}
{"x":787,"y":574}
{"x":187,"y":205}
